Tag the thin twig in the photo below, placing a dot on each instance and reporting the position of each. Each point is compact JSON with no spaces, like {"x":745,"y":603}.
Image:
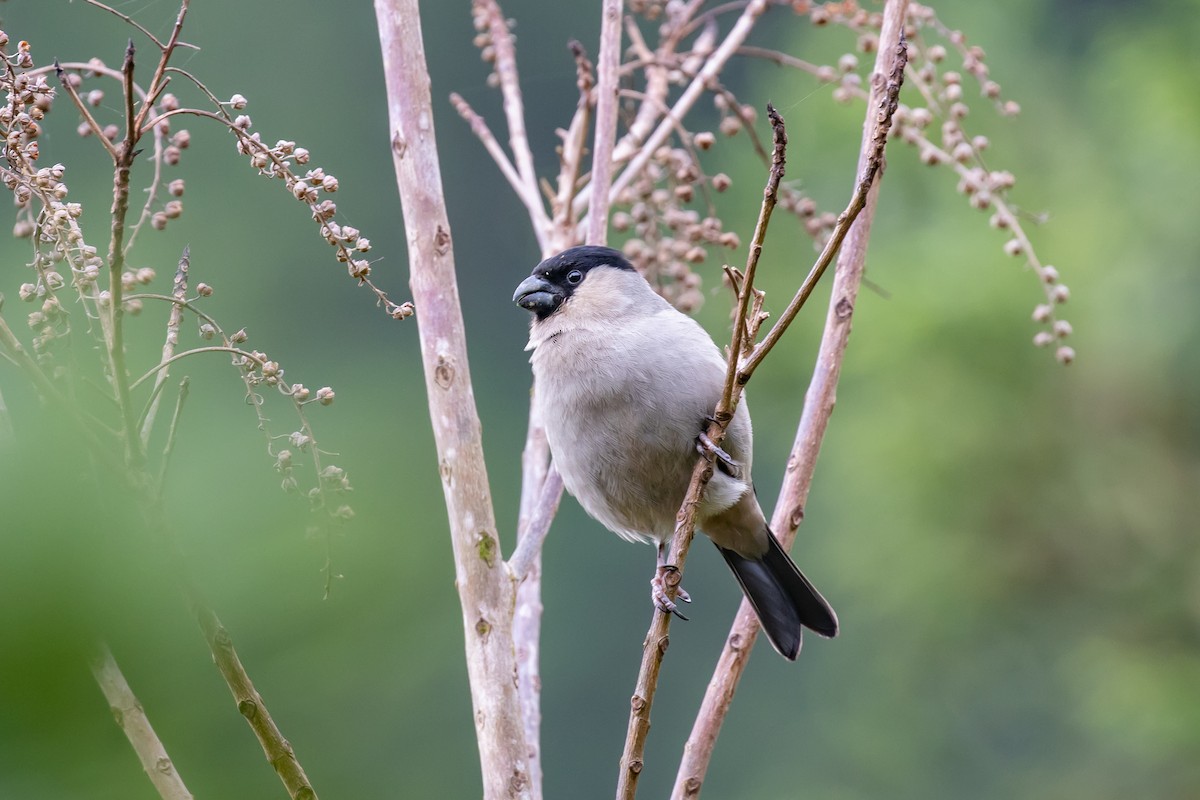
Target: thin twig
{"x":527,"y":616}
{"x":138,"y":25}
{"x":573,"y":145}
{"x":712,"y":67}
{"x":174,"y":319}
{"x":157,"y":84}
{"x":514,"y":108}
{"x":534,"y":531}
{"x":881,"y":111}
{"x":482,"y":132}
{"x":789,"y":510}
{"x":607,"y":87}
{"x":151,"y":192}
{"x":658,"y":86}
{"x":213,"y":349}
{"x":655,"y":644}
{"x":169,"y":446}
{"x":276,"y":748}
{"x":132,"y":719}
{"x":84,"y":111}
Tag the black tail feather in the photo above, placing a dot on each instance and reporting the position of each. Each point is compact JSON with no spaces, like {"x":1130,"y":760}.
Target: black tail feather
{"x":782,"y":597}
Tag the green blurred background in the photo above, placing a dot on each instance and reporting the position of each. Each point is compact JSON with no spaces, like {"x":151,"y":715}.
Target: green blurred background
{"x":1009,"y":543}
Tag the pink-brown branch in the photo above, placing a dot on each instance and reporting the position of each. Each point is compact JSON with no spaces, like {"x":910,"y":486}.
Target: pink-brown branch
{"x":607,"y":66}
{"x":486,"y":593}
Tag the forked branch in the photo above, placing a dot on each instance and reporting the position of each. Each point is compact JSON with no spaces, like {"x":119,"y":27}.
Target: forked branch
{"x":818,"y":407}
{"x":655,"y":644}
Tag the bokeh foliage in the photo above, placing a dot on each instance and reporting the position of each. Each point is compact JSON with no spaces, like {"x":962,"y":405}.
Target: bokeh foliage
{"x":1010,"y":544}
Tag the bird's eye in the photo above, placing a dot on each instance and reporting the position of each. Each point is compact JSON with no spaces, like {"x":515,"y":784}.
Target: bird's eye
{"x":574,"y":277}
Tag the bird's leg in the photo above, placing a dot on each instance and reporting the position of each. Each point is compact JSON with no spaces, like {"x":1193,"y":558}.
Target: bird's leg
{"x":710,"y":450}
{"x":658,"y":585}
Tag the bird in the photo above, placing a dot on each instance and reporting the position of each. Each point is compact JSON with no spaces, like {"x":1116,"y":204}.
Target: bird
{"x":625,"y":385}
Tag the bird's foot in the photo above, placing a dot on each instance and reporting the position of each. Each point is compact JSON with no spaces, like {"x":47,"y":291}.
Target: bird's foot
{"x":710,"y":450}
{"x":667,"y":574}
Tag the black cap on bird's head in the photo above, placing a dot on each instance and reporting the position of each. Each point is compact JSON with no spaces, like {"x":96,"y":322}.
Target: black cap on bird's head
{"x":555,"y":279}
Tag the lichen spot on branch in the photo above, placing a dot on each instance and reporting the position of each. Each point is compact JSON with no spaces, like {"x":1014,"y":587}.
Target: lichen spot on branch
{"x":487,"y":548}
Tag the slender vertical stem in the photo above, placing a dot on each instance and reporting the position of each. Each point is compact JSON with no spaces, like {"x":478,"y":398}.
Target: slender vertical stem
{"x":712,"y":67}
{"x":123,"y":164}
{"x":527,"y":617}
{"x":174,"y":320}
{"x":607,"y":86}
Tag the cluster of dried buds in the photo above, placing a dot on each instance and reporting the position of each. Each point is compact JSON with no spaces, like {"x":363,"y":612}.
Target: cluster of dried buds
{"x":935,"y":127}
{"x":284,"y":161}
{"x":666,"y":237}
{"x":945,"y":99}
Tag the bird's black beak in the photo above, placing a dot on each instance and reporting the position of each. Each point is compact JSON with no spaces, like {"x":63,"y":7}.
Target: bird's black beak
{"x":538,"y":295}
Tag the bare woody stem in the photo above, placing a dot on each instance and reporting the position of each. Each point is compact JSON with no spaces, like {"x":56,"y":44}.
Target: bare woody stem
{"x":607,"y":66}
{"x":514,"y":109}
{"x":250,"y":705}
{"x":712,"y":67}
{"x":132,"y":719}
{"x":122,"y":165}
{"x":657,"y":639}
{"x":818,"y":407}
{"x":486,"y":593}
{"x":174,"y":320}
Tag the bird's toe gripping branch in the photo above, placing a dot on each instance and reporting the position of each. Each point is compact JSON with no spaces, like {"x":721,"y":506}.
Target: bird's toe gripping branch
{"x":710,"y":450}
{"x":666,"y":576}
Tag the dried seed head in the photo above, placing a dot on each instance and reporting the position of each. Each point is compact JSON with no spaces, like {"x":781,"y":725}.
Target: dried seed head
{"x":204,"y":290}
{"x":325,"y":396}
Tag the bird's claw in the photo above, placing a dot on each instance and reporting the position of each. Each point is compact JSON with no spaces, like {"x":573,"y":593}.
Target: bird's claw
{"x":712,"y":451}
{"x":658,"y":592}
